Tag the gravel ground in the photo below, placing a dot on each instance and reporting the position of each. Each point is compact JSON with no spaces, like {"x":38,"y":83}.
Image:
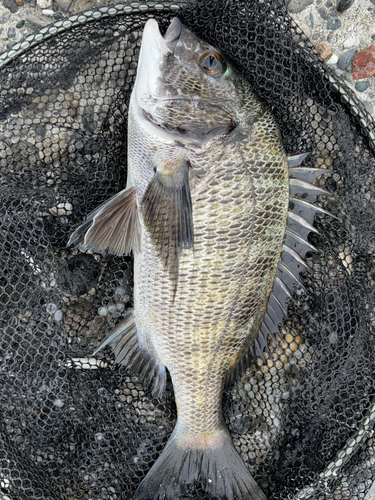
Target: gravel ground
{"x":338,"y":28}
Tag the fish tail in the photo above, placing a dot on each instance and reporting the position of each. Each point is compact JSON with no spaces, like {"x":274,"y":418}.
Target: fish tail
{"x":218,"y":470}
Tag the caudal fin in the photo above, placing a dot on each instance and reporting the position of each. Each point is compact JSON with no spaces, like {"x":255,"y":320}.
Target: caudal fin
{"x":220,"y":471}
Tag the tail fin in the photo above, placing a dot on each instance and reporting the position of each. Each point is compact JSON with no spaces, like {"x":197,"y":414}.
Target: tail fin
{"x":220,"y":471}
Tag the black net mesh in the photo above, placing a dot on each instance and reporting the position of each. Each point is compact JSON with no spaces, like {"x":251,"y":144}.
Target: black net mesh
{"x":75,"y":426}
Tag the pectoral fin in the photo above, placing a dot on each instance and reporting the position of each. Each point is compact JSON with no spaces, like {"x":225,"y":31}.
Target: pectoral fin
{"x":113,"y":227}
{"x":168,"y":216}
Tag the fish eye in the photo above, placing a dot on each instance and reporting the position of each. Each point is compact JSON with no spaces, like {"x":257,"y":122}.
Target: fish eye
{"x":213,"y":64}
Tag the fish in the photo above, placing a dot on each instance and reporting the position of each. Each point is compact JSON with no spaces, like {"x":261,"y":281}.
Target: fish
{"x":217,"y":218}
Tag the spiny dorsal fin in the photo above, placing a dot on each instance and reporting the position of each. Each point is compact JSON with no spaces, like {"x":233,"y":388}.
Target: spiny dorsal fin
{"x":168,"y":215}
{"x":113,"y":227}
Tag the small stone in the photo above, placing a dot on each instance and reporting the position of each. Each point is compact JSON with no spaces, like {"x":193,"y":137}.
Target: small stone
{"x":323,"y":50}
{"x":58,"y":315}
{"x":362,"y":86}
{"x":343,"y":5}
{"x":323,"y":12}
{"x":57,"y":16}
{"x":311,"y":20}
{"x":369,"y":107}
{"x":11,"y":32}
{"x":55,"y":8}
{"x":333,"y":59}
{"x":64,"y":5}
{"x":48,"y":12}
{"x":364,"y":64}
{"x":10,"y":5}
{"x":333,"y":23}
{"x":20,"y":24}
{"x":296,"y":6}
{"x":44,"y":4}
{"x":36,"y":22}
{"x":346,"y":58}
{"x":372,"y":37}
{"x":51,"y":308}
{"x":19,"y":3}
{"x":102,"y":311}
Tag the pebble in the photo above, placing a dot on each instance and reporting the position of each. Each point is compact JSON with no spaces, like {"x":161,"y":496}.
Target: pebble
{"x":369,"y":107}
{"x":36,"y":22}
{"x":63,"y":5}
{"x":10,"y":5}
{"x":11,"y":32}
{"x":19,"y":3}
{"x":20,"y":24}
{"x":58,"y":315}
{"x":343,"y":5}
{"x":333,"y":23}
{"x":48,"y":12}
{"x":362,"y":86}
{"x":51,"y":308}
{"x":296,"y":6}
{"x":44,"y":4}
{"x":324,"y":50}
{"x":333,"y":59}
{"x":346,"y":58}
{"x":364,"y":63}
{"x":323,"y":12}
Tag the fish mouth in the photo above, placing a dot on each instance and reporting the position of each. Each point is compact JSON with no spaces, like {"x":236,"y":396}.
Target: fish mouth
{"x":197,"y":136}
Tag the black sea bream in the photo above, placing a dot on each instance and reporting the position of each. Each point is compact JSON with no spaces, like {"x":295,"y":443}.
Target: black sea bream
{"x":205,"y":213}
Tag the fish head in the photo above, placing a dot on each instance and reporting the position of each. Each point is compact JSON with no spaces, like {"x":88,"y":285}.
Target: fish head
{"x":184,"y":87}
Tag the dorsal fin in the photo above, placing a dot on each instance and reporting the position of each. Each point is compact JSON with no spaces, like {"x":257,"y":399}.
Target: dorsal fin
{"x":300,"y":221}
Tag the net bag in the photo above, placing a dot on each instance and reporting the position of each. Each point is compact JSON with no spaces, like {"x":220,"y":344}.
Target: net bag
{"x":76,"y":426}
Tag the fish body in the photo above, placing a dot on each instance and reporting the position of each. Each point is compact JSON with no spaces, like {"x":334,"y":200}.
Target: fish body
{"x":204,"y":212}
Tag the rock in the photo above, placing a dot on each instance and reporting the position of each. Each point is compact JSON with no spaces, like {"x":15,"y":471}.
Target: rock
{"x":323,"y":12}
{"x":369,"y":107}
{"x":333,"y":23}
{"x":10,"y":5}
{"x":19,"y":3}
{"x":20,"y":24}
{"x":306,"y":29}
{"x":81,"y":5}
{"x":323,"y":50}
{"x":362,"y":86}
{"x":11,"y":32}
{"x":64,"y":5}
{"x":44,"y":4}
{"x":296,"y":6}
{"x":36,"y":22}
{"x":48,"y":12}
{"x":57,"y":16}
{"x":364,"y":64}
{"x":343,"y":5}
{"x":346,"y":58}
{"x":333,"y":59}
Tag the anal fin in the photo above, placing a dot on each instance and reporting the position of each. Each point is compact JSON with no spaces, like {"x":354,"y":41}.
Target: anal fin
{"x":128,"y":352}
{"x":112,"y":227}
